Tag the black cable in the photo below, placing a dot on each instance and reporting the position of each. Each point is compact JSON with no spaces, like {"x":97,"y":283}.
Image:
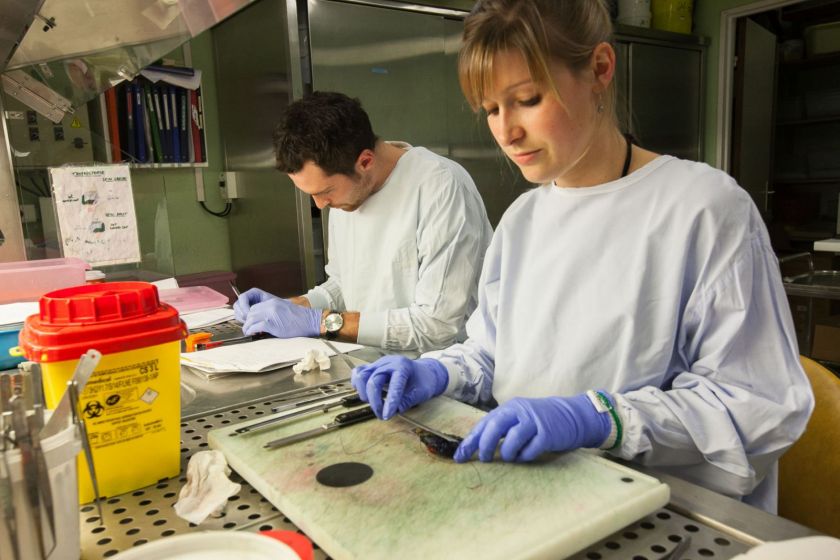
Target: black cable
{"x":222,"y":214}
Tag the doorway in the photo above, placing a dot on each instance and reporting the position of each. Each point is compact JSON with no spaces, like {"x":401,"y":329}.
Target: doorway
{"x":780,"y":138}
{"x":782,"y":143}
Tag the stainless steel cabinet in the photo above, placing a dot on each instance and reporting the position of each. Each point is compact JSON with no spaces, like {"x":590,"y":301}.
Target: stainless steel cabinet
{"x":660,"y":89}
{"x":401,"y":62}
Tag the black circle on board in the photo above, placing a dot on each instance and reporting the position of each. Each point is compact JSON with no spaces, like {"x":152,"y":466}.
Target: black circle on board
{"x":341,"y":475}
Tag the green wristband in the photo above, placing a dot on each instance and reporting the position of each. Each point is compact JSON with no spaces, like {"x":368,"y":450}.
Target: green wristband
{"x":606,"y":403}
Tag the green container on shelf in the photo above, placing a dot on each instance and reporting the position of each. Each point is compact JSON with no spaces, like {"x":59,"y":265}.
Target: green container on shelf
{"x":672,"y":15}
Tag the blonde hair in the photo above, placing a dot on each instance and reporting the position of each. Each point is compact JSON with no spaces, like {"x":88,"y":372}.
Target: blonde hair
{"x":544,"y":31}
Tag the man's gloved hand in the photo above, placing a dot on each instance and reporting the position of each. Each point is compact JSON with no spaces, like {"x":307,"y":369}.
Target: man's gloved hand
{"x":409,"y":383}
{"x":244,"y":302}
{"x":281,"y":318}
{"x":531,"y":427}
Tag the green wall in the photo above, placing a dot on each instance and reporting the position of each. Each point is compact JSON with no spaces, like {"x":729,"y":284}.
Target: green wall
{"x":199,"y":241}
{"x":707,"y":23}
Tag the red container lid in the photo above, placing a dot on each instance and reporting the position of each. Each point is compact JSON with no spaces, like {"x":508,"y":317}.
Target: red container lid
{"x":110,"y":317}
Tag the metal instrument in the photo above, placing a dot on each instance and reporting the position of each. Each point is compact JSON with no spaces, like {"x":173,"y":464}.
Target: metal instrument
{"x":42,"y":474}
{"x":235,"y":289}
{"x":422,"y":426}
{"x":63,"y":414}
{"x":198,"y":341}
{"x":309,"y":401}
{"x":9,"y":528}
{"x":343,"y":356}
{"x":24,"y":443}
{"x":677,"y":552}
{"x":73,"y":392}
{"x":347,"y":402}
{"x":340,"y":421}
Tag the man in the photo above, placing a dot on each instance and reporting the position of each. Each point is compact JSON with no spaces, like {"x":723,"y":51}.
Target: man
{"x":407,"y":235}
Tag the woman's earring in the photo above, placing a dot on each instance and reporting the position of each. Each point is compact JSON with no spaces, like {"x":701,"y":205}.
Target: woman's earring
{"x":600,"y":104}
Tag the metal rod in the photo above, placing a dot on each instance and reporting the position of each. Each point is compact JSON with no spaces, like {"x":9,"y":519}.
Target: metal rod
{"x":342,"y":355}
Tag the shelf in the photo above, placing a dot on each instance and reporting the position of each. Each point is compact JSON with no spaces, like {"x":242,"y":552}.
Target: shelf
{"x":167,"y":165}
{"x":813,"y":120}
{"x":808,"y":181}
{"x":813,"y":61}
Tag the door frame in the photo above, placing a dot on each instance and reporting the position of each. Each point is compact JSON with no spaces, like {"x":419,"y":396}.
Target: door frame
{"x":726,"y":72}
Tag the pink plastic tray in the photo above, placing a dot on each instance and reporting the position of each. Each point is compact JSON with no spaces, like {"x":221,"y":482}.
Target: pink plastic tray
{"x":192,"y":298}
{"x":29,"y":280}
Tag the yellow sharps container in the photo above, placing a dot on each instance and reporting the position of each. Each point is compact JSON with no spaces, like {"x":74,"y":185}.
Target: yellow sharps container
{"x":131,"y":404}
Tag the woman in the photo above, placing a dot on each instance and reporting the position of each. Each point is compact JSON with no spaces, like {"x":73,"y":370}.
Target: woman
{"x":632,"y":302}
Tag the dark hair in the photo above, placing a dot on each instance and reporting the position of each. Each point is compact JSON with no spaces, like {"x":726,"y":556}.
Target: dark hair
{"x":327,"y":128}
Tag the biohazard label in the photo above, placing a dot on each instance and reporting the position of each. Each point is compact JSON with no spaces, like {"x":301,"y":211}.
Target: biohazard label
{"x":116,"y":404}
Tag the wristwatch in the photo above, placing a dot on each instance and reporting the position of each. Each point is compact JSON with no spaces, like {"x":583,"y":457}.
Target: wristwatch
{"x":333,"y":323}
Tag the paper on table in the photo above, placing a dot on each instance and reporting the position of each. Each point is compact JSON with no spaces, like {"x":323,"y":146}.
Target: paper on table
{"x":166,"y":284}
{"x":207,"y":318}
{"x":15,"y":313}
{"x":258,"y":356}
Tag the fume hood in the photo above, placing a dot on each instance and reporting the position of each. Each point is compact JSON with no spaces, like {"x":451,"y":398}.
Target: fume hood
{"x":59,"y":54}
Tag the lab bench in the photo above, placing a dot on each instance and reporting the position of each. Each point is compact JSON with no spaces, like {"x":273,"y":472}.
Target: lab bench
{"x":715,"y":526}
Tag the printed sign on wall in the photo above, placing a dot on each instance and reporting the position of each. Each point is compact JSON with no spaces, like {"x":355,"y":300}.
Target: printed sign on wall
{"x":95,"y":210}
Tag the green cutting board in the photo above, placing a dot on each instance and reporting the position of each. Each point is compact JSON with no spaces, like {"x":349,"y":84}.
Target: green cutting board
{"x":417,"y":505}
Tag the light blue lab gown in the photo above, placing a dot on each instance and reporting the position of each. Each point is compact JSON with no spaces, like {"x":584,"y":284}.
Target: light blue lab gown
{"x":662,"y":289}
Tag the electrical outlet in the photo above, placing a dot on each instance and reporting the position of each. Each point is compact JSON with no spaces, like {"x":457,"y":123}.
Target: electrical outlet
{"x":228,"y":185}
{"x":58,"y":133}
{"x":34,"y":135}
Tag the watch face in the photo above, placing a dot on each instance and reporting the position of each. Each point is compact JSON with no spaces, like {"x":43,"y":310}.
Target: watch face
{"x":333,"y":322}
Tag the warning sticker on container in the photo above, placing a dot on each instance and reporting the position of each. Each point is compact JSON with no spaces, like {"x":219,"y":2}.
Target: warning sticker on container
{"x":121,"y":403}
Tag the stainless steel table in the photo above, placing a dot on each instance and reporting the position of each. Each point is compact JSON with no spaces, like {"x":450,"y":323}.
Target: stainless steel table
{"x":718,"y":527}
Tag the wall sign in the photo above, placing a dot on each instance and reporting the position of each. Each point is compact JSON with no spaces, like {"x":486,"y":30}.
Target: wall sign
{"x":95,"y":211}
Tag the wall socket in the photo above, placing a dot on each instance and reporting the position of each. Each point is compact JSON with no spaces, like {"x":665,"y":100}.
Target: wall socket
{"x":228,"y":185}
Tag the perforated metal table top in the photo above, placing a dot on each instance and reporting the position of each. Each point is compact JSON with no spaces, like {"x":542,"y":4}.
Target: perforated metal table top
{"x":146,"y":514}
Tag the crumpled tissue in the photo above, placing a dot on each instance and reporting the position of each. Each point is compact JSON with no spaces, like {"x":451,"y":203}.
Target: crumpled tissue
{"x":207,"y":489}
{"x":313,"y":359}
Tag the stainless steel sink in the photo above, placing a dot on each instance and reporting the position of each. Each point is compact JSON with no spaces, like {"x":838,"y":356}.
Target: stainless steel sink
{"x":816,"y":278}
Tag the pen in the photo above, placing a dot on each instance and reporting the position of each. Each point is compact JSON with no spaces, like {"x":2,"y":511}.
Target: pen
{"x":234,"y":288}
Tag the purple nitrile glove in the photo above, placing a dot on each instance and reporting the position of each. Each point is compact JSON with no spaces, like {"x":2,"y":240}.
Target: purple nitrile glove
{"x":409,"y":383}
{"x":531,"y":427}
{"x":283,"y":319}
{"x":243,"y":303}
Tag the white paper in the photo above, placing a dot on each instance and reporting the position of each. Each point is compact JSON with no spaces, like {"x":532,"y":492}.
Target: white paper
{"x":207,"y":318}
{"x":15,"y":313}
{"x":95,"y":210}
{"x":259,"y":355}
{"x":166,"y":284}
{"x":180,"y":80}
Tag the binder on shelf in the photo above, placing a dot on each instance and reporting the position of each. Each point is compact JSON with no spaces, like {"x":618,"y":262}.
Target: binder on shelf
{"x":183,"y":125}
{"x":155,"y":122}
{"x":130,"y":133}
{"x":174,"y":134}
{"x":113,"y":124}
{"x":139,"y":123}
{"x":162,"y":106}
{"x":201,"y":124}
{"x":195,"y":132}
{"x":179,"y":70}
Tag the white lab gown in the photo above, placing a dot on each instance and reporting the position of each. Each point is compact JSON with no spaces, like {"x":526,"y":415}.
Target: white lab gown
{"x":410,"y":257}
{"x":662,"y":289}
